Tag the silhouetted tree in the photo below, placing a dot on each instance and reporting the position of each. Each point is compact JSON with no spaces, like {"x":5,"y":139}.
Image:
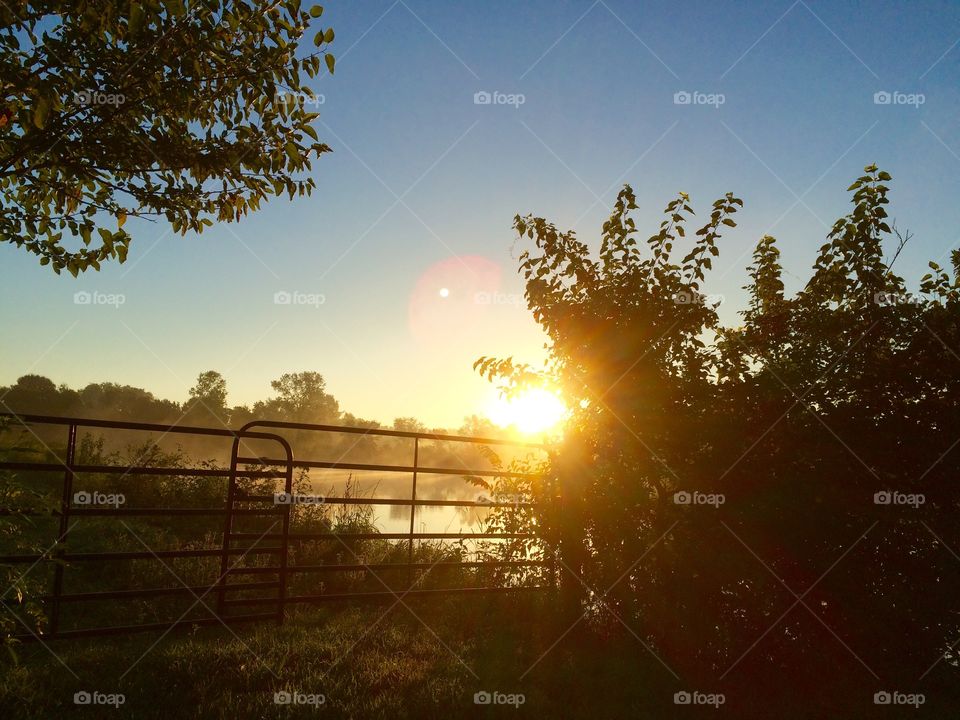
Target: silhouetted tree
{"x":38,"y":395}
{"x":207,"y":404}
{"x":301,"y":397}
{"x":111,"y":401}
{"x":804,"y":422}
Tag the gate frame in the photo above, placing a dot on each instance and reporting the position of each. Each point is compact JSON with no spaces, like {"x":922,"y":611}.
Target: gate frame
{"x":229,"y":512}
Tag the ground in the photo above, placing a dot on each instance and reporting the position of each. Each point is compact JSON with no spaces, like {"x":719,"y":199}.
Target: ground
{"x":427,"y":660}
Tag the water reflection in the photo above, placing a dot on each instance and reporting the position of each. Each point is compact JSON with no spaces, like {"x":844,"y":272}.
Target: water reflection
{"x":396,"y":518}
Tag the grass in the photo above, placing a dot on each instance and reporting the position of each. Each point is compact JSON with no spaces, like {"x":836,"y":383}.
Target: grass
{"x":427,"y":661}
{"x":421,"y":664}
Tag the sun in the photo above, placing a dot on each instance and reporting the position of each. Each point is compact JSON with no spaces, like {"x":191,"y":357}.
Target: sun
{"x":532,"y":411}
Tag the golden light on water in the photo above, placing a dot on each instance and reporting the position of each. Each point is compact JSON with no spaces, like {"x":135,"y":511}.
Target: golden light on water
{"x":532,"y":411}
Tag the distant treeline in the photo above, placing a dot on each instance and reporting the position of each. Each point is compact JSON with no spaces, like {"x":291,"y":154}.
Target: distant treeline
{"x":299,"y":397}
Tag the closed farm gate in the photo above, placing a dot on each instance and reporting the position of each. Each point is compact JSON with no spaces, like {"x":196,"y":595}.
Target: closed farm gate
{"x":262,"y":539}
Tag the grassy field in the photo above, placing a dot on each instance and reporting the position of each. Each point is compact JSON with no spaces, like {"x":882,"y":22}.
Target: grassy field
{"x":427,"y":661}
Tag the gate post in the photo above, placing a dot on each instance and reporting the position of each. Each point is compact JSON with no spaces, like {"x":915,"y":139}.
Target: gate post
{"x":227,"y":529}
{"x":285,"y":543}
{"x":66,"y":499}
{"x":413,"y":511}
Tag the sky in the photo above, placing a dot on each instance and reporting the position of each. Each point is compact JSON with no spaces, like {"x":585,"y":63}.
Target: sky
{"x":401,"y":269}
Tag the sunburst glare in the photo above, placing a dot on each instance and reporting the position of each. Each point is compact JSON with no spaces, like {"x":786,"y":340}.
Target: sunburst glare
{"x":531,"y":411}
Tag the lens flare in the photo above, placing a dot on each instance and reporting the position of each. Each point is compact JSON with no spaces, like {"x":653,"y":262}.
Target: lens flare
{"x":532,"y":411}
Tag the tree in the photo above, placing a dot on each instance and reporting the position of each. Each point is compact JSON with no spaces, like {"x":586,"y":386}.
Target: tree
{"x":189,"y":113}
{"x":124,"y":402}
{"x":351,"y":420}
{"x":479,"y":426}
{"x":409,"y":424}
{"x":801,"y":424}
{"x":301,"y":397}
{"x":36,"y":394}
{"x":240,"y":415}
{"x":208,"y":400}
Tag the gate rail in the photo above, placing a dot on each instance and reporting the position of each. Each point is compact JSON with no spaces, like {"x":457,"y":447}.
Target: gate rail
{"x":263,"y":468}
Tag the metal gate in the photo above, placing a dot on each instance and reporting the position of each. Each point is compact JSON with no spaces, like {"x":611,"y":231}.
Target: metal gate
{"x":255,"y":568}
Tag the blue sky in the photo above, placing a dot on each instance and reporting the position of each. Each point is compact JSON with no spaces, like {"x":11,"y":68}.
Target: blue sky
{"x":421,"y":189}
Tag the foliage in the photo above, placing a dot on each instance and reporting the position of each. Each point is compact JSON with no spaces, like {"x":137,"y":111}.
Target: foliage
{"x":21,"y":589}
{"x":512,"y":499}
{"x":208,"y":400}
{"x":301,"y":397}
{"x":796,"y":418}
{"x":185,"y":112}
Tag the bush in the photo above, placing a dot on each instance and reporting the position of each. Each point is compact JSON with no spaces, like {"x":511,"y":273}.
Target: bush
{"x":800,"y":466}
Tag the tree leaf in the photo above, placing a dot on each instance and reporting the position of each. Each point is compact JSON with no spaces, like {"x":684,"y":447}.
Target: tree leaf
{"x":41,"y":110}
